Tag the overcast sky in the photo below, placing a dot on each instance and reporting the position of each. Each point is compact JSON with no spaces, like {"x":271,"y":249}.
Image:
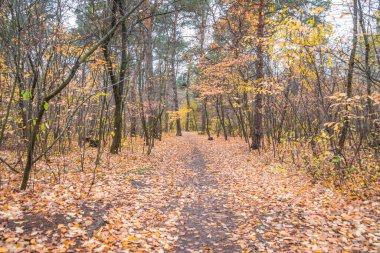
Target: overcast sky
{"x":338,"y":15}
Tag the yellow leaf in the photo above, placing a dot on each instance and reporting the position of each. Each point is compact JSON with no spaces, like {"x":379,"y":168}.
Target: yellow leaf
{"x":3,"y":250}
{"x":132,"y":239}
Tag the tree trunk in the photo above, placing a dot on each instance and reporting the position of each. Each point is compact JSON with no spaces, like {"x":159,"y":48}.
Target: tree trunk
{"x":258,"y":106}
{"x":188,"y":112}
{"x":188,"y":101}
{"x":369,"y":115}
{"x":207,"y":122}
{"x":133,"y":100}
{"x":350,"y":75}
{"x":117,"y":86}
{"x":32,"y":144}
{"x":173,"y":69}
{"x":148,"y":67}
{"x":202,"y":33}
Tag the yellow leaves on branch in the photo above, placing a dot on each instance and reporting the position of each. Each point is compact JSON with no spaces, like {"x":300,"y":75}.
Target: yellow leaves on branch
{"x":292,"y":43}
{"x":296,"y":42}
{"x":3,"y":67}
{"x":180,"y":114}
{"x":224,"y":76}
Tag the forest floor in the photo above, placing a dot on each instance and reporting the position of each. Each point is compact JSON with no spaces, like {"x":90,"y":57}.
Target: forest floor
{"x":190,"y":195}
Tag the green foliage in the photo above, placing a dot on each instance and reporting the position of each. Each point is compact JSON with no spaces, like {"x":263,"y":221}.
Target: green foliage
{"x":26,"y":95}
{"x":46,"y":106}
{"x":336,"y":159}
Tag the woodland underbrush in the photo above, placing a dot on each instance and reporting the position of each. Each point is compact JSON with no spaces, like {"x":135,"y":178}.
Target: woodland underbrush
{"x":356,"y":172}
{"x":69,"y":164}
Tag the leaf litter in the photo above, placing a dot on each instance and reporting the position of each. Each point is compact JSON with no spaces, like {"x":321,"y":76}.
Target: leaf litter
{"x":190,"y":195}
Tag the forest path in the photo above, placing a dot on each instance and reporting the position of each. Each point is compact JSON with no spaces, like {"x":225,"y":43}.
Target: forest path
{"x":189,"y":195}
{"x":240,"y":201}
{"x":207,"y":224}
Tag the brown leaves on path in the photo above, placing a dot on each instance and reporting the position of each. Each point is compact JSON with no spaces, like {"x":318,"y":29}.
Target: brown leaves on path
{"x":281,"y":211}
{"x":189,"y":195}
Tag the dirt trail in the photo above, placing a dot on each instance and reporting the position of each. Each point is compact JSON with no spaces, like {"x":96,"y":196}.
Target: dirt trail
{"x":189,"y":195}
{"x":245,"y":202}
{"x":207,"y":223}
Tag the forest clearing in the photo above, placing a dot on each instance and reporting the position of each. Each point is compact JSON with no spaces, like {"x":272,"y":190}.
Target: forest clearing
{"x":189,"y":126}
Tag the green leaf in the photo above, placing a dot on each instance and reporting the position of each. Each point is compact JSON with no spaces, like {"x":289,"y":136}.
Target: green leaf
{"x":46,"y":106}
{"x":26,"y":95}
{"x":100,"y":93}
{"x":336,"y":159}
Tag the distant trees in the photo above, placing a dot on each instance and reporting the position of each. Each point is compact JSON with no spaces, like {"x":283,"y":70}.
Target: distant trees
{"x":279,"y":57}
{"x":68,"y":81}
{"x":45,"y":80}
{"x":270,"y":72}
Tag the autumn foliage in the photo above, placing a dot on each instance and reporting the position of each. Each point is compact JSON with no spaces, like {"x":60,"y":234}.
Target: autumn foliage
{"x":275,"y":108}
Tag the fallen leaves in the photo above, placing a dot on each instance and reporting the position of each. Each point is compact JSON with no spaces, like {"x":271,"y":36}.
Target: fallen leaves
{"x":19,"y":230}
{"x":2,"y":250}
{"x":219,"y":197}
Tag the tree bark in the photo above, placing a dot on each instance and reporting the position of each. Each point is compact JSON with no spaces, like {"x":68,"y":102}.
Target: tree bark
{"x":202,"y":33}
{"x":350,"y":75}
{"x":188,"y":101}
{"x":369,"y":115}
{"x":173,"y":72}
{"x":258,"y":104}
